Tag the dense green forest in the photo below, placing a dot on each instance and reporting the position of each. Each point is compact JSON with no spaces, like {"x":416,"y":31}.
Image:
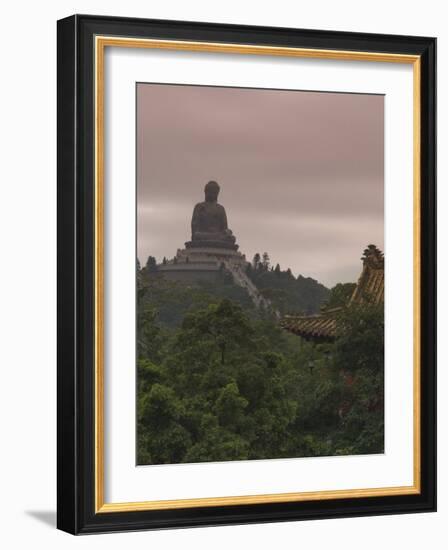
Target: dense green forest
{"x":219,"y":381}
{"x":172,"y":300}
{"x":287,"y":293}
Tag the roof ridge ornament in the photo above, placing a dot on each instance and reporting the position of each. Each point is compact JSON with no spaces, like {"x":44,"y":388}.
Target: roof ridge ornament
{"x":373,"y":257}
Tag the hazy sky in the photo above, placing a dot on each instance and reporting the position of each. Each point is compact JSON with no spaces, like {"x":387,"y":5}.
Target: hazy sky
{"x":301,"y":173}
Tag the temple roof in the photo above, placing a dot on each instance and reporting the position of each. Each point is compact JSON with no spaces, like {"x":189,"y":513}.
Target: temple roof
{"x":318,"y":327}
{"x":369,"y":290}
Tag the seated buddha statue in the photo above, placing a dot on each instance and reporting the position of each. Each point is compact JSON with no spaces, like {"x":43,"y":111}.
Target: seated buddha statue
{"x":209,"y":222}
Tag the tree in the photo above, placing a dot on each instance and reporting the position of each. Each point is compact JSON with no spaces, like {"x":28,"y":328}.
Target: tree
{"x":265,"y":261}
{"x":277,"y":269}
{"x":358,"y":357}
{"x":230,"y":405}
{"x":151,"y":264}
{"x":340,"y":295}
{"x":256,"y":260}
{"x":160,"y":412}
{"x":224,"y":325}
{"x":360,"y":338}
{"x":148,"y":333}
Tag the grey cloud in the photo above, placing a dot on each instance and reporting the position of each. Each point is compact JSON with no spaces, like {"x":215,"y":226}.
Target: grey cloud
{"x":301,"y":173}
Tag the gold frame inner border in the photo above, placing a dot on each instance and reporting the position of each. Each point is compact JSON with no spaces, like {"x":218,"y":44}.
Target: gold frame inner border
{"x":100,"y":44}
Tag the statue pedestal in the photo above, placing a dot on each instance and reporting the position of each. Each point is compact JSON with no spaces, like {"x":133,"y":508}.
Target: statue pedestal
{"x":201,"y":263}
{"x":211,"y":244}
{"x":207,"y":264}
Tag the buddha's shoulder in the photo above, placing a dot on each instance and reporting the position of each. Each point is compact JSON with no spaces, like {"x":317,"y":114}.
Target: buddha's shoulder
{"x":209,"y":206}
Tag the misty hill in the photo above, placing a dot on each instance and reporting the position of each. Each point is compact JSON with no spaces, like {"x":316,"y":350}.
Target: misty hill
{"x":287,"y":293}
{"x":172,"y":300}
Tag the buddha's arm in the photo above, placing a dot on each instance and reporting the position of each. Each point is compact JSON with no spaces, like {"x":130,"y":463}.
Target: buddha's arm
{"x":224,"y":219}
{"x":195,"y":222}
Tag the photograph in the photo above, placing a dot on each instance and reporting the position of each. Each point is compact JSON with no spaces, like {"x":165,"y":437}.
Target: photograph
{"x":259,"y":273}
{"x":246,"y":274}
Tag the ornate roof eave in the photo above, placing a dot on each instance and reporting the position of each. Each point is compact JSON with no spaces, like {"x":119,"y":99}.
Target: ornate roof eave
{"x":369,"y":290}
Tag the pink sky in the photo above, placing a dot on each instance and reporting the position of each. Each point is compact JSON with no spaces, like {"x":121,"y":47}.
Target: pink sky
{"x":301,"y":173}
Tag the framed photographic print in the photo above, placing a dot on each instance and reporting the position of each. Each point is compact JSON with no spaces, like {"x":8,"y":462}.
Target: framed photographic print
{"x":246,"y":274}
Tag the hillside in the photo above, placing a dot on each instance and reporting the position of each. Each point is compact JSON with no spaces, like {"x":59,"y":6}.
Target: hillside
{"x":218,"y":379}
{"x":287,"y":293}
{"x":172,"y":300}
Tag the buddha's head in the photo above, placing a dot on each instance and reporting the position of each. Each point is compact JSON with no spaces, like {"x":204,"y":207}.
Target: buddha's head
{"x":211,"y":191}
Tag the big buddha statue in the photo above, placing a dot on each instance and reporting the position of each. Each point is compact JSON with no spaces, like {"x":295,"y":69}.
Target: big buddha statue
{"x":209,"y":222}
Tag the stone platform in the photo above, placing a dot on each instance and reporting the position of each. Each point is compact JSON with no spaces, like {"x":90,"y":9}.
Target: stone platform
{"x":201,"y":263}
{"x":208,"y":264}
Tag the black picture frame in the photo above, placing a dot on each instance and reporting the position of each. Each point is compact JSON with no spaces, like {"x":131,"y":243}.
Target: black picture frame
{"x":76,"y":256}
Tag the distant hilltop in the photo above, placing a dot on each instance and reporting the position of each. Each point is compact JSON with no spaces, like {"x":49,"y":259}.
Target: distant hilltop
{"x":212,"y":250}
{"x":210,"y":266}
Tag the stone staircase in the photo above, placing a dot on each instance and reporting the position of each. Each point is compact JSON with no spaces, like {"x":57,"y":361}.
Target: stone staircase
{"x":241,"y":279}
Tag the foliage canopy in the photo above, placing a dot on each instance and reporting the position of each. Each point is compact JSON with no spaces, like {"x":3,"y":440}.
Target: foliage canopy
{"x":221,"y":383}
